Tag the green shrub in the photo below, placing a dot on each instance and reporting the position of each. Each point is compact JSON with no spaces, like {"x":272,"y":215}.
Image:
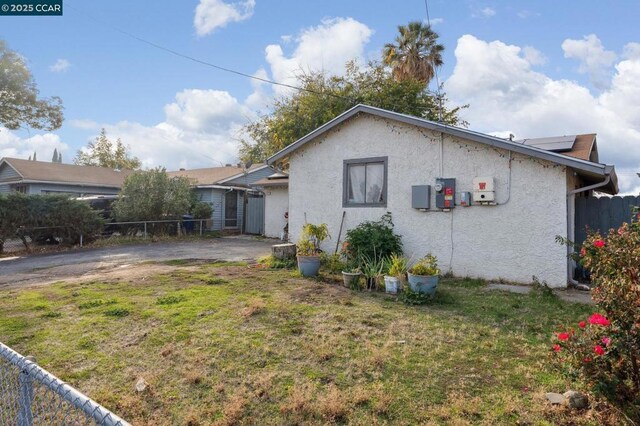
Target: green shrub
{"x":605,"y":350}
{"x":374,"y":240}
{"x":428,"y":265}
{"x":311,"y":238}
{"x":333,"y":263}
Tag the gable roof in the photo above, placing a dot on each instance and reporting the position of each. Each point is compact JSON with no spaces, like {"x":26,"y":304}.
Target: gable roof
{"x":44,"y":172}
{"x":583,"y":165}
{"x":578,"y":146}
{"x":214,"y":175}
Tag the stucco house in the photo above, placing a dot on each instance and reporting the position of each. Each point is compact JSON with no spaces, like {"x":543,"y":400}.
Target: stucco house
{"x":485,"y":206}
{"x":40,"y":177}
{"x":276,"y":204}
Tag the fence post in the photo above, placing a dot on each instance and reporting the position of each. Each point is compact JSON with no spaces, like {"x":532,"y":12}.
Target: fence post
{"x":25,"y":415}
{"x":201,"y":227}
{"x":80,"y":240}
{"x":145,"y":229}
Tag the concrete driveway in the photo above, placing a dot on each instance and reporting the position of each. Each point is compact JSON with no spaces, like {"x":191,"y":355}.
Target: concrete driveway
{"x":47,"y":268}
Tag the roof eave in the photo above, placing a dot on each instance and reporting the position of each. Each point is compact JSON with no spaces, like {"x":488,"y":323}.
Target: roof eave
{"x":454,"y":131}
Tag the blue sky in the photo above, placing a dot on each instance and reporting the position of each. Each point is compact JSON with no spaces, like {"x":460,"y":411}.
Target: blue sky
{"x":532,"y":68}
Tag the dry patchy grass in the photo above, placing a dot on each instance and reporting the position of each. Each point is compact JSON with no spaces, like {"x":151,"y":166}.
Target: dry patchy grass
{"x":229,"y":344}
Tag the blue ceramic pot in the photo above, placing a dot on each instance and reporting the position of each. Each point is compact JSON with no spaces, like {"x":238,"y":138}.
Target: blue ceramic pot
{"x":425,"y":284}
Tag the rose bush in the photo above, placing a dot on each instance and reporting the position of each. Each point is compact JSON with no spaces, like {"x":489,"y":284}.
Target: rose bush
{"x":605,"y":350}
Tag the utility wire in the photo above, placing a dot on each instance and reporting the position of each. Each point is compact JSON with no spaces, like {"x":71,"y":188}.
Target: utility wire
{"x":199,"y":61}
{"x":435,"y":69}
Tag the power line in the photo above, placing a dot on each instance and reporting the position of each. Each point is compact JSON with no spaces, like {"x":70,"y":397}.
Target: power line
{"x":435,"y":69}
{"x":200,"y":61}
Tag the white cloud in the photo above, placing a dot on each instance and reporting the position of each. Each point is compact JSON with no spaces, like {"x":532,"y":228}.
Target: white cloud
{"x":204,"y":110}
{"x":486,"y":12}
{"x":212,"y":14}
{"x":525,"y":14}
{"x":14,"y":146}
{"x":61,"y":65}
{"x":534,"y":56}
{"x":326,"y":47}
{"x":436,"y":21}
{"x":594,"y":59}
{"x":200,"y":130}
{"x":84,"y":124}
{"x":507,"y":96}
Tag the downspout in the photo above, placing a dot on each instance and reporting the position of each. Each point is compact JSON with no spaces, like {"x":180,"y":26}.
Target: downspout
{"x":571,"y":222}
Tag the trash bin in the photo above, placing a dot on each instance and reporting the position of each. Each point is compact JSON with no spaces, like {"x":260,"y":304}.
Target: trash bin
{"x":187,"y":223}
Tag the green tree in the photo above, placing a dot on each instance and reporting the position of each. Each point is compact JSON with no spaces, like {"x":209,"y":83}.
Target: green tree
{"x":19,"y":102}
{"x":416,"y":53}
{"x":327,"y":96}
{"x":103,"y":153}
{"x":153,"y":195}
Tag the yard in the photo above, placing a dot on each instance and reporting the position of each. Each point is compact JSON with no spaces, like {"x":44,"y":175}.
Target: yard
{"x":234,"y":344}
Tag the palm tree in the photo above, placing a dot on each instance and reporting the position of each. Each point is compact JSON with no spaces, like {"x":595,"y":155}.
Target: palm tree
{"x":416,"y":53}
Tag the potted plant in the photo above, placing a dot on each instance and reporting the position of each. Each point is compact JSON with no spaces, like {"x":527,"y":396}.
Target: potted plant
{"x":424,"y":275}
{"x":372,"y":268}
{"x":397,"y":270}
{"x":351,"y":276}
{"x":308,"y":248}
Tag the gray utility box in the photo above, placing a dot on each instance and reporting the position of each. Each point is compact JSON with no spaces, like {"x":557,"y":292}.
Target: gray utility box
{"x":421,"y":197}
{"x":445,"y":193}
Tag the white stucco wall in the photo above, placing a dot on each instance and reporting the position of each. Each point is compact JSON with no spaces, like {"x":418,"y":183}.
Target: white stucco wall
{"x":513,"y":241}
{"x":276,"y":204}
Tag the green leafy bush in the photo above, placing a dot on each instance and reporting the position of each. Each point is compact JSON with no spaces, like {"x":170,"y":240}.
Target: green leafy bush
{"x":46,"y":218}
{"x":333,"y":263}
{"x":428,"y":265}
{"x":605,"y":351}
{"x":311,"y":238}
{"x":373,"y":240}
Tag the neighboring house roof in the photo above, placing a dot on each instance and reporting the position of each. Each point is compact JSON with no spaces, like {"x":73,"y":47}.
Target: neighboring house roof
{"x":276,"y":179}
{"x":58,"y":173}
{"x":589,"y":169}
{"x":214,"y":175}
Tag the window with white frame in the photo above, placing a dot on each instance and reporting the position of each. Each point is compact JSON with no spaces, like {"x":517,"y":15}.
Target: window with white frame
{"x":365,"y":182}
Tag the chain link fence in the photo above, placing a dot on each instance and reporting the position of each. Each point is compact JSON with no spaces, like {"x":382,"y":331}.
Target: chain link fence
{"x":43,"y":237}
{"x":30,"y":395}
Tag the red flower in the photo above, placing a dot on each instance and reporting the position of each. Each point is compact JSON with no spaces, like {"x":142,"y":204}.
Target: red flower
{"x":582,"y":324}
{"x":598,"y":243}
{"x":599,"y":319}
{"x":606,"y":341}
{"x":598,"y":349}
{"x":563,"y":336}
{"x":587,"y":359}
{"x":556,"y":348}
{"x":583,"y":252}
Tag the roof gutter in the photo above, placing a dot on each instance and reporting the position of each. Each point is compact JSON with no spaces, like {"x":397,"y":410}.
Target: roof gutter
{"x":227,"y":187}
{"x":571,"y":224}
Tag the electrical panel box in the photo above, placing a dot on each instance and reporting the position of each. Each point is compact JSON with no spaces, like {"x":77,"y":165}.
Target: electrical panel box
{"x":445,"y":193}
{"x":421,"y":197}
{"x":465,"y":199}
{"x":483,"y":190}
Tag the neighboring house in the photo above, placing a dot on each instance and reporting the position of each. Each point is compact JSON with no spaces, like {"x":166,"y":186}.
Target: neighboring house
{"x":238,"y":203}
{"x":39,"y":177}
{"x":276,"y":204}
{"x":369,"y":161}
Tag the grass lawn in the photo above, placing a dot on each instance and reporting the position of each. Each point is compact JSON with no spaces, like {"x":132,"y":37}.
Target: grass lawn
{"x":229,"y":344}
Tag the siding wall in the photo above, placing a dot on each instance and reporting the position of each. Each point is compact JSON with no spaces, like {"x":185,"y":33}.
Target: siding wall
{"x":513,"y":241}
{"x":43,"y":188}
{"x":8,"y":173}
{"x":4,"y":188}
{"x":215,"y":197}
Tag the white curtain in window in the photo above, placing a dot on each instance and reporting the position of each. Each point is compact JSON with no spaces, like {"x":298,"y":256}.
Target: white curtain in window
{"x":375,"y":182}
{"x":357,"y":183}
